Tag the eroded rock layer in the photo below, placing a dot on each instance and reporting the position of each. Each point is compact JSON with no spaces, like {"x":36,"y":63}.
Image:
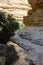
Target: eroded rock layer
{"x":35,"y":16}
{"x":18,"y":8}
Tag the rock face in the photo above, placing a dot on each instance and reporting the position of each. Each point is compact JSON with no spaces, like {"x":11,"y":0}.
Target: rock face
{"x":18,"y":8}
{"x":35,"y":16}
{"x":33,"y":34}
{"x":31,"y":39}
{"x":32,"y":2}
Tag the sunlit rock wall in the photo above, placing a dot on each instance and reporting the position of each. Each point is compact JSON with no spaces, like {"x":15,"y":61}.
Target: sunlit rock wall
{"x":18,"y":8}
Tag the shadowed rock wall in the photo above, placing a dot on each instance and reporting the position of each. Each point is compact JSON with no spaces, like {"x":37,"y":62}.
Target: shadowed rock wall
{"x":35,"y":15}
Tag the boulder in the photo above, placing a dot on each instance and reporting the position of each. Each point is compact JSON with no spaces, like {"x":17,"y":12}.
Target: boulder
{"x":34,"y":34}
{"x":34,"y":46}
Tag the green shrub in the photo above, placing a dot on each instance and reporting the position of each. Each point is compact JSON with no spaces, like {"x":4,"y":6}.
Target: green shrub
{"x":8,"y":26}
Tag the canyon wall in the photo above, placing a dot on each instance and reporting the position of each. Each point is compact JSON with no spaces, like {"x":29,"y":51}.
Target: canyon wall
{"x":35,"y":15}
{"x":30,"y":12}
{"x":18,"y":8}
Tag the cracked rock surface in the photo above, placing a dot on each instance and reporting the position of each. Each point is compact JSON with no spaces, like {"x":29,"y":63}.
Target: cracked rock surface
{"x":31,"y":39}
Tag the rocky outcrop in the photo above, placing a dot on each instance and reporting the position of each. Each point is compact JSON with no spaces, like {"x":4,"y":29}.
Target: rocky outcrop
{"x":33,"y":34}
{"x":32,"y":41}
{"x":34,"y":19}
{"x":35,"y":16}
{"x":18,"y":8}
{"x":35,"y":3}
{"x":28,"y":11}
